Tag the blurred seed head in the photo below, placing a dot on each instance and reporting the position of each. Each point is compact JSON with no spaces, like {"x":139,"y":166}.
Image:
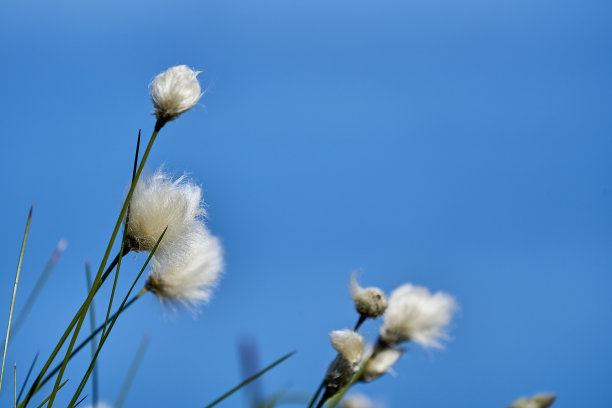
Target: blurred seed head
{"x":370,"y":302}
{"x":414,"y":314}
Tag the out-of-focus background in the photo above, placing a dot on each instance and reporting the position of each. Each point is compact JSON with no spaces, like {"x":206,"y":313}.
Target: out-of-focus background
{"x":463,"y":146}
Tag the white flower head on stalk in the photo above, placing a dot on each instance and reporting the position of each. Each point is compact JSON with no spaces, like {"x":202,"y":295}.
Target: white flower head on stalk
{"x":369,"y":302}
{"x":348,"y":343}
{"x":380,"y":363}
{"x":357,"y":401}
{"x":349,"y":346}
{"x":414,"y":314}
{"x":159,"y":202}
{"x":174,"y":92}
{"x":188,"y":272}
{"x":537,"y":401}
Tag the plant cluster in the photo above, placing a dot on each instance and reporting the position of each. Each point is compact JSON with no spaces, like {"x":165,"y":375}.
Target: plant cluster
{"x":165,"y":217}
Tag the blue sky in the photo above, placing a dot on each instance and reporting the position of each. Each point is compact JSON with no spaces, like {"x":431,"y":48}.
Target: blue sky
{"x":463,"y":146}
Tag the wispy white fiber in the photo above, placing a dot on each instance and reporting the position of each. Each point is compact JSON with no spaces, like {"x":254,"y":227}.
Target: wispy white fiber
{"x":357,"y":401}
{"x":370,"y":302}
{"x":537,"y":401}
{"x":188,"y":271}
{"x":348,"y":343}
{"x":157,"y":202}
{"x":174,"y":92}
{"x":381,"y":363}
{"x":414,"y":314}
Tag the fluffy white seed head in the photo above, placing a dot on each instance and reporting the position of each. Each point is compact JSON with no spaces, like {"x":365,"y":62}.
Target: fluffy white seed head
{"x":159,"y":202}
{"x":380,"y":363}
{"x":370,"y":302}
{"x":188,"y":272}
{"x":348,"y":343}
{"x":537,"y":401}
{"x":414,"y":314}
{"x":174,"y":92}
{"x":357,"y":401}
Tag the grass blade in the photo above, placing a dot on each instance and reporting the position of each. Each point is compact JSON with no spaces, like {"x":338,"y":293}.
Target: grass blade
{"x":96,"y":284}
{"x":81,"y":400}
{"x":37,"y":382}
{"x":47,"y":399}
{"x":248,"y":380}
{"x":248,"y":353}
{"x":92,"y":321}
{"x":129,"y":378}
{"x":86,"y":341}
{"x":38,"y":286}
{"x":25,"y":382}
{"x":316,"y":394}
{"x":8,"y":329}
{"x":112,"y":324}
{"x":15,"y":384}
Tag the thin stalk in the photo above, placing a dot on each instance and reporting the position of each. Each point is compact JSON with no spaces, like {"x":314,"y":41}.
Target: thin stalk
{"x":15,"y":384}
{"x":248,"y":380}
{"x":122,"y":214}
{"x":92,"y":321}
{"x":81,"y":400}
{"x":112,"y":324}
{"x":362,"y":318}
{"x":123,"y":240}
{"x":36,"y":386}
{"x":129,"y":378}
{"x":47,"y":399}
{"x":316,"y":394}
{"x":89,"y":339}
{"x":27,"y":376}
{"x":38,"y":286}
{"x":8,"y":329}
{"x":112,"y":295}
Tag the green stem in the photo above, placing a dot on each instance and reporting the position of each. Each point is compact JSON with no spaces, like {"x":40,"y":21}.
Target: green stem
{"x":316,"y":394}
{"x":92,"y":322}
{"x":8,"y":329}
{"x":88,"y":339}
{"x":248,"y":380}
{"x":122,"y":214}
{"x":37,"y":383}
{"x":362,"y":318}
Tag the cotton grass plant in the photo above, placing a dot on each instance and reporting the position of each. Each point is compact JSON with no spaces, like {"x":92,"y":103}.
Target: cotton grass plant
{"x":161,"y":216}
{"x":165,"y":217}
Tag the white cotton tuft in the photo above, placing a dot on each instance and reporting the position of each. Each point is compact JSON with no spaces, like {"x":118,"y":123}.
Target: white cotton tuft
{"x":380,"y":363}
{"x":348,"y":343}
{"x":537,"y":401}
{"x":357,"y":401}
{"x":369,"y":302}
{"x":174,"y":92}
{"x":159,"y":202}
{"x":188,"y":272}
{"x":414,"y":314}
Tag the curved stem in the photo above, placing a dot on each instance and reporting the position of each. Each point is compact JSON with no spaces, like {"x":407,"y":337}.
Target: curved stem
{"x":316,"y":394}
{"x":37,"y":383}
